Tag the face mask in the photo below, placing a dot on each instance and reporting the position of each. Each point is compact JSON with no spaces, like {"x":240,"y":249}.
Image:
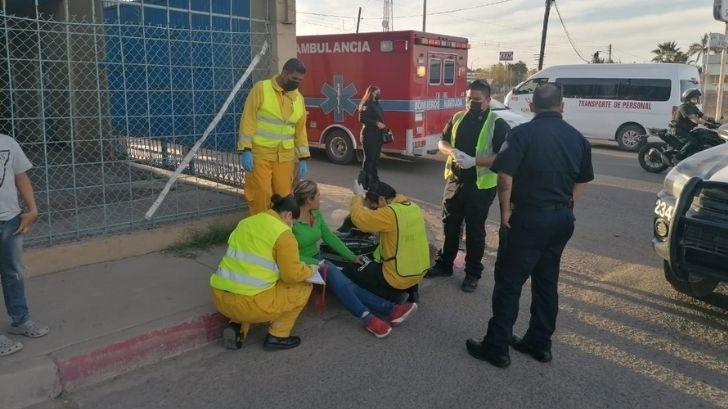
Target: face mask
{"x":290,"y":85}
{"x":475,"y":106}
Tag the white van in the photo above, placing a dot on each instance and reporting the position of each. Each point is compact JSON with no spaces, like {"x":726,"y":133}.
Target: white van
{"x":613,"y":101}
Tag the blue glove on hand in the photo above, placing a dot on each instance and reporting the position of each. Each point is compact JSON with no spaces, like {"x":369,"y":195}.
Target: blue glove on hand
{"x":302,"y":168}
{"x":246,"y":161}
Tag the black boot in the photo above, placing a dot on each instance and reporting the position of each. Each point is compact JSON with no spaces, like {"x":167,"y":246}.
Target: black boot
{"x":231,"y":338}
{"x":272,"y":342}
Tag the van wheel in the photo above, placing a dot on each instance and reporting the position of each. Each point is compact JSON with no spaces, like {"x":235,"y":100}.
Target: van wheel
{"x":631,"y":137}
{"x":696,"y":287}
{"x":339,"y":148}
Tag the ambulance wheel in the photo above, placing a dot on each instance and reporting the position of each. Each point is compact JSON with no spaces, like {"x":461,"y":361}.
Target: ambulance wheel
{"x":631,"y":137}
{"x":339,"y":148}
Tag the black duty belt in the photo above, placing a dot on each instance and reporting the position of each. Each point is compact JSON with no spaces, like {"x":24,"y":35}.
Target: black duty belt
{"x":552,"y":207}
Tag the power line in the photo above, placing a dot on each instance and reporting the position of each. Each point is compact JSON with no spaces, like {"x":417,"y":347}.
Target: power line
{"x":434,"y":13}
{"x":568,"y":36}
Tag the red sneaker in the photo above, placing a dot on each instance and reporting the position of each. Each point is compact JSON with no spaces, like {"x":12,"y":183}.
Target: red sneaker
{"x":379,"y":328}
{"x":401,"y":312}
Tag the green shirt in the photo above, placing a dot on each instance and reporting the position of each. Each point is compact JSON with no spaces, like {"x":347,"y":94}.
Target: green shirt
{"x":309,"y":237}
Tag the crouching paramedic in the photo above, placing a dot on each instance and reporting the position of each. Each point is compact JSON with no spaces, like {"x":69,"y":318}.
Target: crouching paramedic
{"x":403,"y":254}
{"x":261,"y":277}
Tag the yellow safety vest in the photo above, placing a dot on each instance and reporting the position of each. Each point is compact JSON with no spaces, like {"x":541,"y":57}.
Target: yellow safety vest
{"x":412,"y":254}
{"x":272,"y":129}
{"x":487,"y":179}
{"x":248,"y":267}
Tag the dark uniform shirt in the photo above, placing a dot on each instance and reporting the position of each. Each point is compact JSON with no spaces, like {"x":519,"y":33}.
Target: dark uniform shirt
{"x":546,"y":157}
{"x":467,"y":140}
{"x":369,"y":115}
{"x":682,"y":117}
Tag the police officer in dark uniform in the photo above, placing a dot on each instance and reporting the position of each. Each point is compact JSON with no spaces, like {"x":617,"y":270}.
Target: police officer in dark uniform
{"x":542,"y":170}
{"x":470,"y":140}
{"x":687,"y":118}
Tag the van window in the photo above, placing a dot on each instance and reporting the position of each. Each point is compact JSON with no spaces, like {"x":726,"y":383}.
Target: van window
{"x":435,"y":71}
{"x":448,"y":76}
{"x":616,"y":88}
{"x":529,"y":86}
{"x":687,"y":84}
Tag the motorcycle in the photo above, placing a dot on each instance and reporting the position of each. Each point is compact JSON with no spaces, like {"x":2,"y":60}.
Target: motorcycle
{"x":655,"y":157}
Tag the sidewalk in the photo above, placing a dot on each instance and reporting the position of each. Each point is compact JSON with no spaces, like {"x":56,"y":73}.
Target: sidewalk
{"x":109,"y":318}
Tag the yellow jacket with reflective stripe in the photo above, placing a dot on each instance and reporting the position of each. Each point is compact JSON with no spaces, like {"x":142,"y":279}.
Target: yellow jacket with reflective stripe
{"x":286,"y":104}
{"x":252,"y":263}
{"x":412,"y":253}
{"x":486,"y":178}
{"x":384,"y":222}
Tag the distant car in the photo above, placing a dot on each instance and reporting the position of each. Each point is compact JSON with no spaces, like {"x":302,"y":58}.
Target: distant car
{"x":512,"y":117}
{"x":691,"y":222}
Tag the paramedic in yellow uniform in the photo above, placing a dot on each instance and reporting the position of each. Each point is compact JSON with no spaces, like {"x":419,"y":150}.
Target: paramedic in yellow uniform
{"x":261,"y":277}
{"x":273,"y":136}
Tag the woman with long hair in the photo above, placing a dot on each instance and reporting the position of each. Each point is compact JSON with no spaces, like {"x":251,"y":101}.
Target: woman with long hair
{"x":371,"y":116}
{"x":310,"y":230}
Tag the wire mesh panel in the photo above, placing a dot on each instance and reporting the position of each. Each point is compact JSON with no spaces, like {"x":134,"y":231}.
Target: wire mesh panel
{"x":105,"y":107}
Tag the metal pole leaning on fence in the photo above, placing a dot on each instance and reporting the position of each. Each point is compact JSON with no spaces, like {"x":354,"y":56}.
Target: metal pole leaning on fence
{"x":210,"y":127}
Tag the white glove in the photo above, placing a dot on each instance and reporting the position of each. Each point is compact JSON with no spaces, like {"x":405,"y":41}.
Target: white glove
{"x":315,"y":268}
{"x":455,"y":152}
{"x":464,"y":160}
{"x":358,"y":189}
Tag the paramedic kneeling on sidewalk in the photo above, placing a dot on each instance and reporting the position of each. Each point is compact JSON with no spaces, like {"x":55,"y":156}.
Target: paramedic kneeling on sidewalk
{"x":403,"y":254}
{"x":261,"y":277}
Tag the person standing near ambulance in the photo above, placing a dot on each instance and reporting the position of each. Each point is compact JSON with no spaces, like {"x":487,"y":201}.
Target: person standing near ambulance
{"x":273,"y":136}
{"x":471,"y":140}
{"x":371,"y":115}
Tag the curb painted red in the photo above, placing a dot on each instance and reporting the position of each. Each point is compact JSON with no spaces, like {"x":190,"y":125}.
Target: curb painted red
{"x":141,"y":350}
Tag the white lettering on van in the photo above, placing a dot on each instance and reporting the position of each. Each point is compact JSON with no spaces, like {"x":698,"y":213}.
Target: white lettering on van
{"x":338,"y":47}
{"x":634,"y":105}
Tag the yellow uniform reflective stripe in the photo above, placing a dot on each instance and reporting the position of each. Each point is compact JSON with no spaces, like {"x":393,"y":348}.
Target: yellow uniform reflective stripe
{"x":240,"y":278}
{"x":303,"y":150}
{"x":252,"y":259}
{"x":273,"y":135}
{"x":274,"y":121}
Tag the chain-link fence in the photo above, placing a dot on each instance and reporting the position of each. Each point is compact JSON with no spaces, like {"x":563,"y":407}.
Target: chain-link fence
{"x":105,"y":110}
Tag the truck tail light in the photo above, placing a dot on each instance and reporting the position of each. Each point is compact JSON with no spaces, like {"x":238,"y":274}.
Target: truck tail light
{"x":421,"y":71}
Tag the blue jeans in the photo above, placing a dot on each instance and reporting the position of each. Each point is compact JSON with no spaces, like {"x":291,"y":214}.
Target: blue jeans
{"x":11,"y":272}
{"x":357,"y":300}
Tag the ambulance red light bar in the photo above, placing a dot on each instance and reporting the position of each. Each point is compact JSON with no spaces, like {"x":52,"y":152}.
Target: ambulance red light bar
{"x":441,"y":43}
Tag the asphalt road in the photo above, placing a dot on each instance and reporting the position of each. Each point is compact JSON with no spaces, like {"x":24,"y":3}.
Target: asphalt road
{"x":625,"y":339}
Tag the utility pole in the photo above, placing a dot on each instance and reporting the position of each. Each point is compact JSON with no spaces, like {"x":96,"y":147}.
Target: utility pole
{"x":543,"y":33}
{"x":721,"y":80}
{"x":610,"y":54}
{"x":424,"y":15}
{"x":358,"y":20}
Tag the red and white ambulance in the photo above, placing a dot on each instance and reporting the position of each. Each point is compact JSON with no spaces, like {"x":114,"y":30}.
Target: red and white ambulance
{"x":422,"y":77}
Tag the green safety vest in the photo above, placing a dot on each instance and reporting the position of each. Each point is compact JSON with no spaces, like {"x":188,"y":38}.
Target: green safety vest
{"x":272,"y":129}
{"x":412,"y":254}
{"x":487,"y":179}
{"x":248,"y":267}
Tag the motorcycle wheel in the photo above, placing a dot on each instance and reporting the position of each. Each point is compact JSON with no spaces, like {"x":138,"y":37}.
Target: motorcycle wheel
{"x":650,"y":158}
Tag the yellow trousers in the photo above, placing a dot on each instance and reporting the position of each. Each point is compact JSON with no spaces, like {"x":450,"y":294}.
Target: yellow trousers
{"x":280,"y":305}
{"x":268,"y":177}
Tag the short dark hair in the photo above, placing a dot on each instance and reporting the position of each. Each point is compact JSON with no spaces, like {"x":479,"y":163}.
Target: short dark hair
{"x":294,"y":65}
{"x":380,"y":189}
{"x":480,"y":85}
{"x":547,"y":96}
{"x":286,"y":204}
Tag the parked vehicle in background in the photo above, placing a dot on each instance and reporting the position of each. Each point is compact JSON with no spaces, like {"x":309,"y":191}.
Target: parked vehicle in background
{"x":690,"y":229}
{"x":613,"y":101}
{"x":513,"y":118}
{"x":422,"y":77}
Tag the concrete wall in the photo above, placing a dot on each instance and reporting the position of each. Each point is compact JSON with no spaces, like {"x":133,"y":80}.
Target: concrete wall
{"x":283,"y":31}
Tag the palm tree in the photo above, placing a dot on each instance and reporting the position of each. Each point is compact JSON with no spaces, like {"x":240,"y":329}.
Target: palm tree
{"x":700,"y":52}
{"x":669,"y":52}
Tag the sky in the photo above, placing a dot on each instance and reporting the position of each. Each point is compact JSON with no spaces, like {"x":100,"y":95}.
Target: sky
{"x":633,"y":27}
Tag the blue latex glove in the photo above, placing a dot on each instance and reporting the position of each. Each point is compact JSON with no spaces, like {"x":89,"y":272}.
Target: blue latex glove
{"x":302,"y":168}
{"x":246,"y":161}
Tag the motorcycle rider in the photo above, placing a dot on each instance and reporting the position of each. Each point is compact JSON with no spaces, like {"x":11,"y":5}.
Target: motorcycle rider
{"x":687,"y":118}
